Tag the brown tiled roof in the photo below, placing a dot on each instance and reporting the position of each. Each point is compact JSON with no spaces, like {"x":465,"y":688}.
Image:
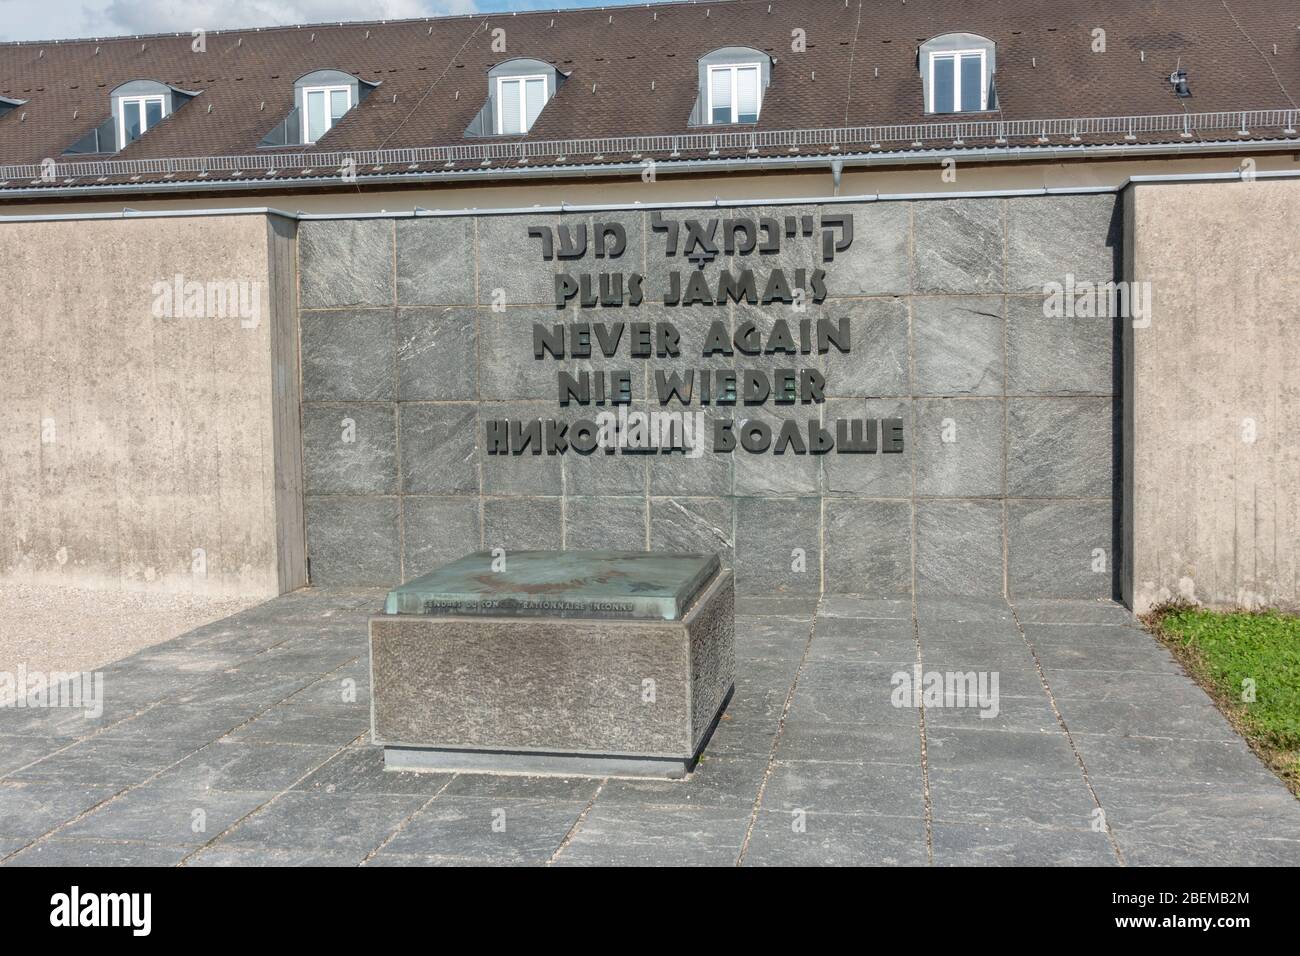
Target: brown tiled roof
{"x":632,"y":72}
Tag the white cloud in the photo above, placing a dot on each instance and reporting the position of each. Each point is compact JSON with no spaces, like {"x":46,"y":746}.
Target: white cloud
{"x":58,"y":19}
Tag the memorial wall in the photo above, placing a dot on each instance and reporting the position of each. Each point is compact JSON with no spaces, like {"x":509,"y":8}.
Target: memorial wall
{"x":1212,"y":385}
{"x":849,"y":397}
{"x":150,"y":383}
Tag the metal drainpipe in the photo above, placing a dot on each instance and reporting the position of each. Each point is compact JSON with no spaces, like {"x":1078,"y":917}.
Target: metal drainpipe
{"x":837,"y":172}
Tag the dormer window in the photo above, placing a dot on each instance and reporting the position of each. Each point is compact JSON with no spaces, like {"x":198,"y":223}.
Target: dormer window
{"x":325,"y":106}
{"x":957,"y":82}
{"x":957,"y":73}
{"x":735,"y":93}
{"x":321,"y":99}
{"x":135,"y":107}
{"x":137,"y":115}
{"x":518,"y":90}
{"x":732,"y":83}
{"x":7,"y":104}
{"x":519,"y":102}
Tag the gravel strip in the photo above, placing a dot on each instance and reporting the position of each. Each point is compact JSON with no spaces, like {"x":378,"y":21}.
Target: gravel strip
{"x":47,"y":628}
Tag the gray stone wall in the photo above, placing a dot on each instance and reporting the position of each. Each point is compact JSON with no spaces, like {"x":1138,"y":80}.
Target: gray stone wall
{"x":403,"y":353}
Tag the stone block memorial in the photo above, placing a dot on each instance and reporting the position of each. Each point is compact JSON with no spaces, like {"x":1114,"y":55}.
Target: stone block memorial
{"x":589,"y":663}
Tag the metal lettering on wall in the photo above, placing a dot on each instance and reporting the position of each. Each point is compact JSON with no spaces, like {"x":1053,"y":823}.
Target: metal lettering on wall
{"x":674,"y":427}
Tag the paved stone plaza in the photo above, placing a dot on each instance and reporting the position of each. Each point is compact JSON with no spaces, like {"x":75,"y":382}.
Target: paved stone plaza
{"x":239,"y":743}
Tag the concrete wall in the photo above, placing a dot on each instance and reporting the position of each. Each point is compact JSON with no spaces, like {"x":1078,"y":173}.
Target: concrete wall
{"x":146,"y":451}
{"x":1212,"y":395}
{"x":403,"y":359}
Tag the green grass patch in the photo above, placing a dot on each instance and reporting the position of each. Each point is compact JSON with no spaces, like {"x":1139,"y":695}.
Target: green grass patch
{"x":1239,"y":655}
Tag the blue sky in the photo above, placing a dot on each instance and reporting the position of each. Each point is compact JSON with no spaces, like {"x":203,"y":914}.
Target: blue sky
{"x":61,"y":19}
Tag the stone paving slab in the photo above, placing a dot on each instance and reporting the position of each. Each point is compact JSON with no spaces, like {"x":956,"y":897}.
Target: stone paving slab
{"x":657,"y":836}
{"x":1188,"y":761}
{"x":846,"y":788}
{"x":17,"y":752}
{"x":244,"y":743}
{"x":488,"y":830}
{"x":344,"y":823}
{"x":59,"y":852}
{"x":957,"y":844}
{"x":1147,"y":717}
{"x":1129,"y":657}
{"x":719,"y":782}
{"x":1208,"y":851}
{"x":28,"y":810}
{"x":1015,"y":753}
{"x":819,"y":741}
{"x":1011,"y":798}
{"x":168,"y":816}
{"x":231,"y":856}
{"x":230,"y":765}
{"x":355,"y":770}
{"x":105,"y":762}
{"x":882,"y":609}
{"x":779,"y":838}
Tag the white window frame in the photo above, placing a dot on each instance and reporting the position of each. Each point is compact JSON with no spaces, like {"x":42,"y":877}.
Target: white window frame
{"x":329,"y":117}
{"x":143,"y":99}
{"x":956,"y":56}
{"x":522,"y":80}
{"x":733,"y":69}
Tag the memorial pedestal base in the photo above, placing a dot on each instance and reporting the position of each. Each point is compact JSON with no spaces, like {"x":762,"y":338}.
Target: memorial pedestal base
{"x":507,"y":676}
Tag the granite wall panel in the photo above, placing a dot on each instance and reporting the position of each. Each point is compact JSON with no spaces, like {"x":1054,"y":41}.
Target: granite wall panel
{"x":420,"y":330}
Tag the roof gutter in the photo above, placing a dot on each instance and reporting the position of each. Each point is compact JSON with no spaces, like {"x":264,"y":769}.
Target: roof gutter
{"x":717,"y":203}
{"x":672,"y":167}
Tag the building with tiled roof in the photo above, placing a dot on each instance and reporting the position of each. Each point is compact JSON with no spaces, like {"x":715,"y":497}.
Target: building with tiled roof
{"x":840,"y":81}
